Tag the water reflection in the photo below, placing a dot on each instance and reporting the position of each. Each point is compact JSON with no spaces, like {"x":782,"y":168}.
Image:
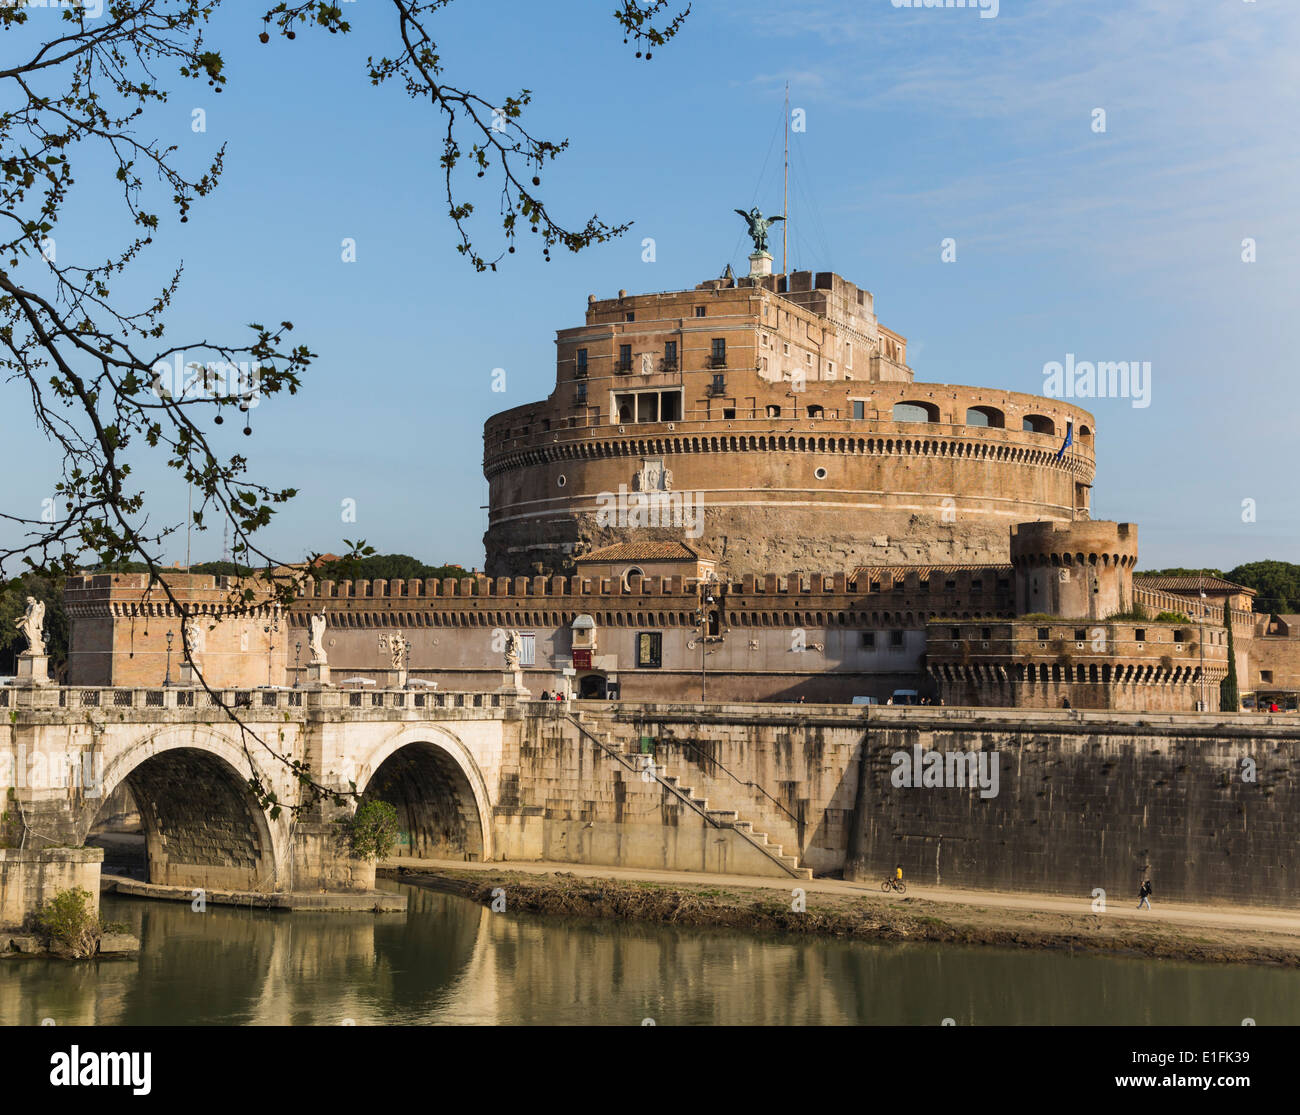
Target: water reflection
{"x":451,"y":961}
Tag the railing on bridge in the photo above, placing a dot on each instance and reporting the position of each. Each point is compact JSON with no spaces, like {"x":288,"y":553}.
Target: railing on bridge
{"x":186,"y":697}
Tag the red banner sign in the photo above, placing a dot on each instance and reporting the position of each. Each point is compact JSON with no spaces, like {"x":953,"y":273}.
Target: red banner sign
{"x":582,"y":660}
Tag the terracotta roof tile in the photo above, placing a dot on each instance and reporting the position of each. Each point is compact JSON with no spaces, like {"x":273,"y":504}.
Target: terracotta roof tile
{"x":1190,"y":584}
{"x":642,"y":551}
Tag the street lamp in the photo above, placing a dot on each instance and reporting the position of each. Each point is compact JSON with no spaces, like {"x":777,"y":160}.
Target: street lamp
{"x":270,"y":630}
{"x":706,"y":598}
{"x":297,"y":650}
{"x":168,"y":679}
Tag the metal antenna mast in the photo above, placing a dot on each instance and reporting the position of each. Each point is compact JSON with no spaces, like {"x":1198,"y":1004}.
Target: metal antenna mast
{"x":785,"y":209}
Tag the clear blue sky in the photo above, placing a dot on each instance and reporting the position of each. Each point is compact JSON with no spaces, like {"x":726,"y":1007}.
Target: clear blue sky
{"x":921,"y":125}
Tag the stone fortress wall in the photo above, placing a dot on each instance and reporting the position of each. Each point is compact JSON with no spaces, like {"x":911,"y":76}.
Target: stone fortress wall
{"x":783,"y":407}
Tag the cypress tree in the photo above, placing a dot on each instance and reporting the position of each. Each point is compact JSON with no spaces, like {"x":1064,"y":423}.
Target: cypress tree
{"x":1228,"y":697}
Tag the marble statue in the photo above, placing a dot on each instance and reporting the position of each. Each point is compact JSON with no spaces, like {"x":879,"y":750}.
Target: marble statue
{"x":32,"y":626}
{"x":512,"y":649}
{"x":192,"y":641}
{"x":316,"y":643}
{"x":395,"y":644}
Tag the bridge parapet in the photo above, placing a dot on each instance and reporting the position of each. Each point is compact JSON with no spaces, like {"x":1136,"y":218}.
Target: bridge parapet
{"x":180,"y":699}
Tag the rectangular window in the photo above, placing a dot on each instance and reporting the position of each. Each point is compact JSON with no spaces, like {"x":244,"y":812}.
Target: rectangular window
{"x":528,"y":648}
{"x":859,"y":409}
{"x":896,"y":639}
{"x":624,"y":358}
{"x":1180,"y":636}
{"x":630,"y":317}
{"x":1080,"y":634}
{"x":1140,"y":634}
{"x":986,"y":633}
{"x":1266,"y":676}
{"x":785,"y":349}
{"x":581,"y":395}
{"x":868,"y":640}
{"x":699,"y":311}
{"x":719,"y":384}
{"x":719,"y":352}
{"x":1043,"y":633}
{"x":582,"y":362}
{"x":954,"y":632}
{"x":670,"y":354}
{"x":649,"y":649}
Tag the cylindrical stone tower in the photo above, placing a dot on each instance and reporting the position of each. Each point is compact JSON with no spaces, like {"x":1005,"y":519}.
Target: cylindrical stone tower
{"x":1081,"y":570}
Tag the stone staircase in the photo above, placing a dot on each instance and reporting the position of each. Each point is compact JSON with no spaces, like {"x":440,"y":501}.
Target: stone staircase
{"x":717,"y":818}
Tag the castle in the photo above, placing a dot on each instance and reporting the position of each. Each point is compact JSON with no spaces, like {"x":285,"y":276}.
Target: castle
{"x":739,"y":492}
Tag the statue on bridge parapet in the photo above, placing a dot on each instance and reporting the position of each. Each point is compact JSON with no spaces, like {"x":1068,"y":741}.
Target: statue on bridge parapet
{"x":193,"y":639}
{"x":33,"y":663}
{"x":316,"y":643}
{"x":32,"y":626}
{"x":512,"y":679}
{"x":318,"y":669}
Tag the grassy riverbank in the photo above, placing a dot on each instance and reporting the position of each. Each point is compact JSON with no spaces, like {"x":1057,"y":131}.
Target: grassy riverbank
{"x":864,"y":916}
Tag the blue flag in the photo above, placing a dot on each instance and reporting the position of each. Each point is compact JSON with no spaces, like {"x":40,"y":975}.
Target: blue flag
{"x":1069,"y":440}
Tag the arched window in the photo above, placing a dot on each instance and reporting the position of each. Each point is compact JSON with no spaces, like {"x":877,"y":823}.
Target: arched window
{"x":916,"y":412}
{"x":986,"y":416}
{"x":1038,"y":424}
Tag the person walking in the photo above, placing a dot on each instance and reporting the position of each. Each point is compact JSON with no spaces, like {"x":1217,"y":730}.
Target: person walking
{"x":1144,"y":894}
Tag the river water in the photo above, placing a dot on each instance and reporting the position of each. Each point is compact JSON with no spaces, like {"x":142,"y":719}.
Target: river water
{"x":448,"y":960}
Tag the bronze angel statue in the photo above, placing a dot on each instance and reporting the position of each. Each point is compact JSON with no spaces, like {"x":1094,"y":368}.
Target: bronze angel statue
{"x":758,"y":226}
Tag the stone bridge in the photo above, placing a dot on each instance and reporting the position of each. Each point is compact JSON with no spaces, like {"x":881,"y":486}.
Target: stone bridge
{"x":189,"y":763}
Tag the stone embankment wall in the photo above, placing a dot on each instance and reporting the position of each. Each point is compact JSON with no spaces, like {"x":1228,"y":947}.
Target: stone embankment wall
{"x":29,"y":879}
{"x":1204,"y":806}
{"x":790,"y":770}
{"x":565,"y":797}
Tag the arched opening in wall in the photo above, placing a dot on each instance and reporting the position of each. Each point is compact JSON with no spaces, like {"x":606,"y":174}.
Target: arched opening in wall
{"x":916,"y":412}
{"x":185,"y":817}
{"x":986,"y":416}
{"x":1038,"y":424}
{"x":436,"y":811}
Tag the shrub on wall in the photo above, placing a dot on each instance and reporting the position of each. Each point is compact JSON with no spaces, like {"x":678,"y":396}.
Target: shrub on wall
{"x":68,"y":920}
{"x":372,"y":830}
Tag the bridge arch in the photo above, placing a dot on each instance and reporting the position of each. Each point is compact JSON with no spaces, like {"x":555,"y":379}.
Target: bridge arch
{"x":202,"y":825}
{"x":438,"y":790}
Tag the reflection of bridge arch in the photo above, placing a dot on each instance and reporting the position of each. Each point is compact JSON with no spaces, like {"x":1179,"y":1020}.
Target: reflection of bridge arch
{"x":203,"y":827}
{"x":440,"y":795}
